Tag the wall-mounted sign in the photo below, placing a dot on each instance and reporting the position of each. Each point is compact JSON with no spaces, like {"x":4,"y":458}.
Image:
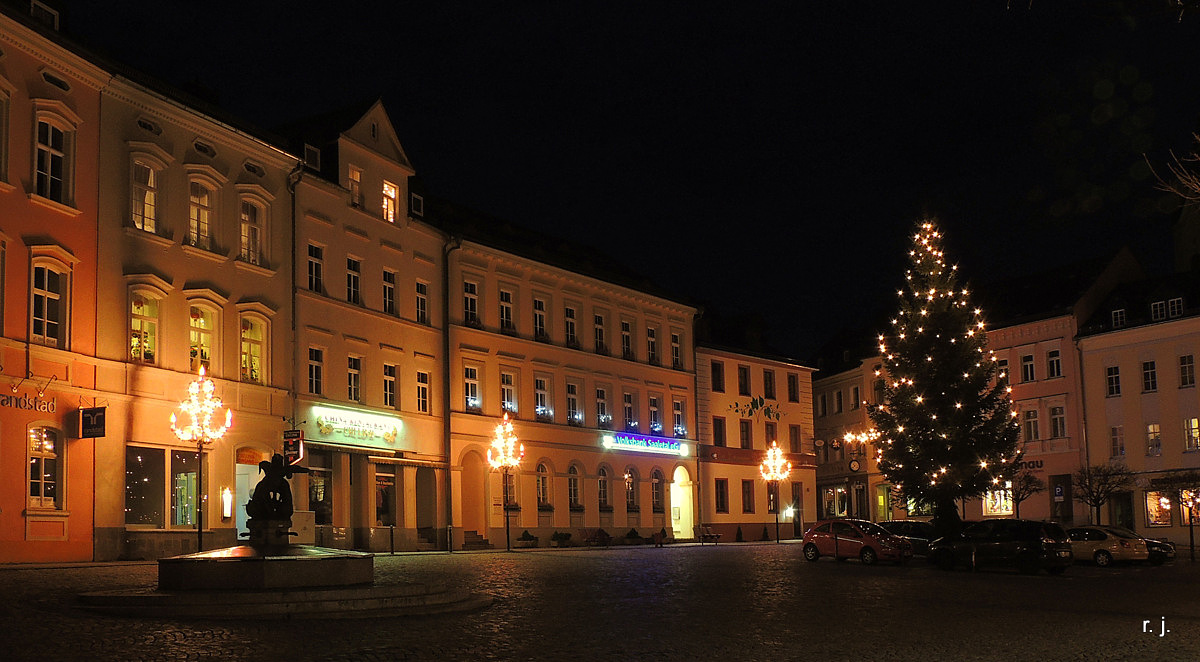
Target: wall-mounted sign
{"x":625,"y":441}
{"x":354,"y":427}
{"x":30,"y":402}
{"x":293,"y":446}
{"x":91,"y":422}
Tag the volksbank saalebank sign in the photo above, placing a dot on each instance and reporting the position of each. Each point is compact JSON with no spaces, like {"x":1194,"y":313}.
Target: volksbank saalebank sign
{"x":625,"y":441}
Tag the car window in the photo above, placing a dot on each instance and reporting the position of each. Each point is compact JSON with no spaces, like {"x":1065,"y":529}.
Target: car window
{"x":1055,"y":532}
{"x":978,"y":531}
{"x":873,"y":529}
{"x":845,"y":530}
{"x":824,"y":528}
{"x":1077,"y":534}
{"x":1123,"y":533}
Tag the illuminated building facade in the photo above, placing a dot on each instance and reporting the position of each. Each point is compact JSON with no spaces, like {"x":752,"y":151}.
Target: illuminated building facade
{"x":599,"y":381}
{"x":1141,"y":405}
{"x":49,"y":133}
{"x":368,"y":351}
{"x":195,"y":265}
{"x":733,"y":443}
{"x":849,"y":483}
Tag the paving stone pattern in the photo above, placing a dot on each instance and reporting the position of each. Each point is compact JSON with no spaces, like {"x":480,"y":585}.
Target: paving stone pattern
{"x":737,"y":602}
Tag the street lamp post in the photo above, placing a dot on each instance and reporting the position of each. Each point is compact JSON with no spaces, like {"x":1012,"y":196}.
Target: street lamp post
{"x":774,"y":469}
{"x":505,"y":454}
{"x":199,"y":407}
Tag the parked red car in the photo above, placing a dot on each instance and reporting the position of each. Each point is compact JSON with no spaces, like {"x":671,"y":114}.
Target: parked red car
{"x":854,"y":538}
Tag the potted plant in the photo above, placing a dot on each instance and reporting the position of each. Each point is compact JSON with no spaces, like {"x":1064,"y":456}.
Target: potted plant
{"x":527,"y":539}
{"x":560,"y":539}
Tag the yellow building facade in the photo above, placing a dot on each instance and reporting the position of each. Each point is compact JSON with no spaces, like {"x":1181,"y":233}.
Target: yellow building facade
{"x":734,"y":496}
{"x":599,"y":382}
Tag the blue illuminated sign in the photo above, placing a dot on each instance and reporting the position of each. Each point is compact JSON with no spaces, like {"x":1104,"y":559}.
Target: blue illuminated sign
{"x":635,"y":442}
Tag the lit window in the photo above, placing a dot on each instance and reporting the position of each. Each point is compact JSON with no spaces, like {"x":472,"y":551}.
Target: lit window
{"x":155,"y":478}
{"x":603,"y":418}
{"x":655,"y":416}
{"x":1191,"y":434}
{"x":45,"y":469}
{"x":143,"y":329}
{"x":998,"y":502}
{"x":1158,"y":509}
{"x":680,"y":422}
{"x":631,"y":423}
{"x":390,"y":196}
{"x":574,"y":413}
{"x":471,"y":388}
{"x":1153,"y":439}
{"x":253,"y":337}
{"x":508,"y":392}
{"x":541,"y":400}
{"x":201,"y":323}
{"x":143,"y":206}
{"x":354,"y":183}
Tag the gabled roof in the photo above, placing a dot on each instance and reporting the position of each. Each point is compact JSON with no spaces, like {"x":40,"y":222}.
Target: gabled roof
{"x":352,"y":121}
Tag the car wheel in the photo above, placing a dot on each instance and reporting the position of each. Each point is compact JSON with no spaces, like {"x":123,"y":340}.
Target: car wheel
{"x":1103,"y":558}
{"x":1057,"y":570}
{"x":1027,"y":564}
{"x":811,"y":553}
{"x":944,"y":560}
{"x":1157,"y":559}
{"x":868,"y":556}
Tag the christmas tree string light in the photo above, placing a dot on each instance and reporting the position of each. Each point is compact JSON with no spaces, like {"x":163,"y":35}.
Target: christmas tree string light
{"x":946,"y":428}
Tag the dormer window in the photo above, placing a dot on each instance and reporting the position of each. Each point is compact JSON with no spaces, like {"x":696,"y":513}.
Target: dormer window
{"x":312,"y":156}
{"x":1158,"y":311}
{"x":1175,"y":307}
{"x":390,"y":201}
{"x":1118,"y":318}
{"x":44,"y":14}
{"x":416,"y":205}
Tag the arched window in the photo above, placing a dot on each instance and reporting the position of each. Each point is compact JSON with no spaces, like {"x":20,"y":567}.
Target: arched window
{"x":573,"y":488}
{"x":50,"y":296}
{"x":253,"y":349}
{"x":45,"y":468}
{"x":602,"y":484}
{"x":201,"y":322}
{"x":657,"y":489}
{"x":143,"y":328}
{"x":543,"y":485}
{"x":631,"y":489}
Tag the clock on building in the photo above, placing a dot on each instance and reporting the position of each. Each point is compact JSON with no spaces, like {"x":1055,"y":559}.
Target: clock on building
{"x":854,"y":465}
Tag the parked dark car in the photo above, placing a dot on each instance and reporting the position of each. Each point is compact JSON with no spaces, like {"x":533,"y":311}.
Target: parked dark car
{"x":1024,"y":544}
{"x":1160,"y":551}
{"x":917,"y":532}
{"x":854,"y":538}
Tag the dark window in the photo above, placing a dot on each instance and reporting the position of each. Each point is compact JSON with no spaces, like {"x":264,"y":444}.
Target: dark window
{"x":721,"y":495}
{"x":718,"y":431}
{"x":718,"y":377}
{"x":747,"y":496}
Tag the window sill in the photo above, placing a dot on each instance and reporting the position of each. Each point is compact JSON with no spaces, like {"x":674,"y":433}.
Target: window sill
{"x":53,"y":205}
{"x":256,"y":269}
{"x":151,"y":237}
{"x":45,"y":512}
{"x":205,"y":254}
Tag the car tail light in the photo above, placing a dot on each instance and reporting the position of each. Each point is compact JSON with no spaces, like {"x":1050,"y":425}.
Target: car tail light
{"x":1125,"y":544}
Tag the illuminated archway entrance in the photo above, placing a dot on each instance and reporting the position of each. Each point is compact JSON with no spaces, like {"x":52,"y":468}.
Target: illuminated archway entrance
{"x":682,"y":517}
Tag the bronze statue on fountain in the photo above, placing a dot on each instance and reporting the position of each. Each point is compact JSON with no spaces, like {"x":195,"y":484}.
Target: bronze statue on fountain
{"x":270,"y":506}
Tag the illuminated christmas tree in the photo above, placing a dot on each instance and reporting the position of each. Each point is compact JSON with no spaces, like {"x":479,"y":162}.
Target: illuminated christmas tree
{"x":946,"y":426}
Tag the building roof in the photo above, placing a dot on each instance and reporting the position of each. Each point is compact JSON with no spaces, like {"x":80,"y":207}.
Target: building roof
{"x":1137,"y":298}
{"x":476,"y":226}
{"x":1039,"y":295}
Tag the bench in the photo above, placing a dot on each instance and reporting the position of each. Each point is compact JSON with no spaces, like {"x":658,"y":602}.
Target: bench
{"x":593,"y":537}
{"x":706,"y":534}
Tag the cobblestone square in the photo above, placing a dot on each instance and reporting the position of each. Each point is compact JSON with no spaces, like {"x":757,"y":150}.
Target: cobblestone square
{"x":684,"y":602}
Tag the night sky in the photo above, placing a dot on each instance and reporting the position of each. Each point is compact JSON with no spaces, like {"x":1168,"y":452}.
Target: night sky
{"x":759,"y":159}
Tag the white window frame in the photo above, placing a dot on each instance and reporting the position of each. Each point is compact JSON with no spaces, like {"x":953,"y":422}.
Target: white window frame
{"x":652,"y":345}
{"x":1118,"y":318}
{"x":196,"y":333}
{"x":677,"y":351}
{"x":354,"y":280}
{"x":391,"y":201}
{"x":354,"y":367}
{"x":316,"y":268}
{"x":1175,"y":307}
{"x":570,"y":335}
{"x":1149,"y":376}
{"x":247,"y":347}
{"x":543,"y":409}
{"x":316,"y":370}
{"x":142,"y":323}
{"x":679,"y":420}
{"x":354,"y":185}
{"x":1158,"y":311}
{"x":471,"y":302}
{"x":1187,"y":371}
{"x":37,"y":455}
{"x":539,"y":319}
{"x":574,"y":412}
{"x":423,"y":391}
{"x":1030,"y":430}
{"x":57,"y":117}
{"x":1116,"y":439}
{"x":1112,"y":376}
{"x":1191,"y":434}
{"x":389,"y":385}
{"x":505,"y":298}
{"x":252,"y":223}
{"x":389,"y":292}
{"x":471,"y":396}
{"x":53,"y":259}
{"x":1153,"y":440}
{"x":144,"y":197}
{"x":1058,"y":422}
{"x":202,"y":206}
{"x":508,"y":392}
{"x":599,"y":336}
{"x":422,"y":302}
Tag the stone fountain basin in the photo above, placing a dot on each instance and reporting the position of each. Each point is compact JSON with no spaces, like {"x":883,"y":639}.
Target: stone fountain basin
{"x":267,"y":567}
